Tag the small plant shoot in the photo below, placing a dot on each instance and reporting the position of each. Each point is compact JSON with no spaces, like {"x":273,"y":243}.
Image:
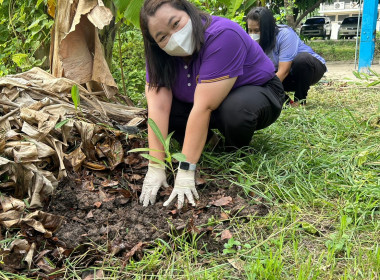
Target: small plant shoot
{"x":169,"y":156}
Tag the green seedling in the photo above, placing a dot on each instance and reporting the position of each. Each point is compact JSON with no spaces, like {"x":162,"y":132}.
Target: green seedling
{"x":169,"y":156}
{"x":75,"y":96}
{"x":232,"y":246}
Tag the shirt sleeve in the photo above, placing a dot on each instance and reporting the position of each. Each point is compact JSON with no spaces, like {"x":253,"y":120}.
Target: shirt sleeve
{"x":223,"y":57}
{"x":288,"y":44}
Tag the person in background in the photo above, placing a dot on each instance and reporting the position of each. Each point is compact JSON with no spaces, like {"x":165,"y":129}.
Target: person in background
{"x":297,"y":65}
{"x":203,"y":72}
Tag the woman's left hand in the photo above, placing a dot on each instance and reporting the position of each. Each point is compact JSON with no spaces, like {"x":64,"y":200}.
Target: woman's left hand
{"x":184,"y":185}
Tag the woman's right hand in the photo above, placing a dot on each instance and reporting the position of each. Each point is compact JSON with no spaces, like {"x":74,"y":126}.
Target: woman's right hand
{"x":154,"y":179}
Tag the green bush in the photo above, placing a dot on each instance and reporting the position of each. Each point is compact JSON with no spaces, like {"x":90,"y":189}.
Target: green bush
{"x":339,"y":50}
{"x":133,"y":63}
{"x":334,"y":50}
{"x":24,"y":35}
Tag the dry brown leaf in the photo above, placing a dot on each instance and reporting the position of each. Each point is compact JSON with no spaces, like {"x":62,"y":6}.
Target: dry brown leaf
{"x":102,"y":195}
{"x":51,"y":7}
{"x":75,"y":159}
{"x":222,"y":201}
{"x":12,"y":257}
{"x":135,"y":177}
{"x":97,"y":204}
{"x":124,"y":193}
{"x":10,"y":223}
{"x":8,"y":203}
{"x":224,"y":216}
{"x":137,"y":247}
{"x":100,"y":16}
{"x":109,"y":183}
{"x":237,"y":264}
{"x":199,"y":181}
{"x":117,"y":247}
{"x":90,"y":215}
{"x":226,"y":234}
{"x":45,"y":266}
{"x":94,"y":166}
{"x":132,"y":159}
{"x":29,"y":256}
{"x":43,"y":222}
{"x":98,"y":275}
{"x":89,"y":185}
{"x":10,"y":215}
{"x":41,"y":254}
{"x":19,"y":245}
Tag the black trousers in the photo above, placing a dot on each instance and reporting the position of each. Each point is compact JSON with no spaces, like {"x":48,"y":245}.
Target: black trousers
{"x":244,"y":110}
{"x":306,"y":70}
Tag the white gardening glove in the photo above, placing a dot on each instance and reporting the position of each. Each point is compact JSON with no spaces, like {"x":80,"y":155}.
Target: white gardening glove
{"x":184,"y":185}
{"x":154,"y":179}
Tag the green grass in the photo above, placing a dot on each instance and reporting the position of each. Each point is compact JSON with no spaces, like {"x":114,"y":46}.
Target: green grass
{"x":318,"y":168}
{"x":338,"y":50}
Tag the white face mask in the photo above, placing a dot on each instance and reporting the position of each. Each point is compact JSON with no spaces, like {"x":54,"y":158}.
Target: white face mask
{"x":255,"y":37}
{"x":181,"y":43}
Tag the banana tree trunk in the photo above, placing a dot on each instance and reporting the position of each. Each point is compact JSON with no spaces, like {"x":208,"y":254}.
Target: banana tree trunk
{"x":76,"y":50}
{"x":108,"y":34}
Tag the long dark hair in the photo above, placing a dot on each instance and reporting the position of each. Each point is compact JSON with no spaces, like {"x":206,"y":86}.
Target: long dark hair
{"x":268,"y":27}
{"x":161,"y":66}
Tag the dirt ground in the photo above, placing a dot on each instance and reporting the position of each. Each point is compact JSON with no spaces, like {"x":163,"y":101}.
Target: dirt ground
{"x":112,"y":214}
{"x":342,"y":71}
{"x":103,"y":209}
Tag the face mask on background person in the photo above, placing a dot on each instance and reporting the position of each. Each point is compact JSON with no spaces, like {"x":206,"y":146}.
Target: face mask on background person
{"x":181,"y":43}
{"x":255,"y":37}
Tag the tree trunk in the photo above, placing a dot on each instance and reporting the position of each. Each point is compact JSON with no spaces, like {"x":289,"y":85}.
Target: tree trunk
{"x":289,"y":5}
{"x":305,"y":13}
{"x":108,"y":34}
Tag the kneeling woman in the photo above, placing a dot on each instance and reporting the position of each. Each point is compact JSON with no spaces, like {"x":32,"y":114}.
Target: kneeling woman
{"x":297,"y":65}
{"x":203,"y":72}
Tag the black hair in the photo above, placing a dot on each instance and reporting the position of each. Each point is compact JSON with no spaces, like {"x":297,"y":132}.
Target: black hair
{"x":161,"y":67}
{"x":268,"y":27}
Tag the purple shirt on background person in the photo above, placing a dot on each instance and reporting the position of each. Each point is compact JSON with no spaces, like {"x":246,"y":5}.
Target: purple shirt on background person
{"x":228,"y":52}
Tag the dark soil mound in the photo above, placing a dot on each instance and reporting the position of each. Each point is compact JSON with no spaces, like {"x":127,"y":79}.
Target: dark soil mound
{"x":111,"y":213}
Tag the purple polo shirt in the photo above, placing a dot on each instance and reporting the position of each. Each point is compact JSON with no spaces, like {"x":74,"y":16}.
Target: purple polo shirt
{"x":228,"y":52}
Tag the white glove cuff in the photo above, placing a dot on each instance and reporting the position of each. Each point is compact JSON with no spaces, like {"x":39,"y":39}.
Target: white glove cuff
{"x":156,"y":165}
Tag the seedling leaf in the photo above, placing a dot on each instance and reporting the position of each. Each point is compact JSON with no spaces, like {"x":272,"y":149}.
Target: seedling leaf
{"x":157,"y":132}
{"x":143,"y":150}
{"x":62,"y":123}
{"x":75,"y":96}
{"x":167,"y":141}
{"x":179,"y":156}
{"x":156,"y":160}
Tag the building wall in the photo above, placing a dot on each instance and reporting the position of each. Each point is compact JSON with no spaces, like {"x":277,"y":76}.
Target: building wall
{"x":340,"y":9}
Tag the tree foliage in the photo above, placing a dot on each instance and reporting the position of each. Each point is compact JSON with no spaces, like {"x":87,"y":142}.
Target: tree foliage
{"x":25,"y":25}
{"x":24,"y":34}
